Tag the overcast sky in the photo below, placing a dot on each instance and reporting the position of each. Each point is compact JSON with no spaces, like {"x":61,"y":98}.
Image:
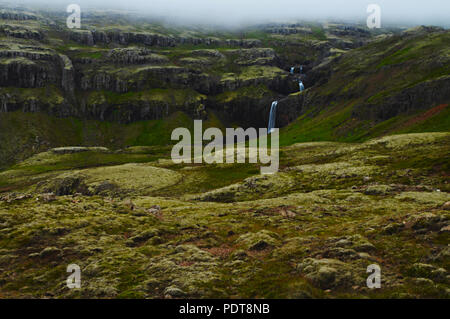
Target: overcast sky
{"x":233,"y":12}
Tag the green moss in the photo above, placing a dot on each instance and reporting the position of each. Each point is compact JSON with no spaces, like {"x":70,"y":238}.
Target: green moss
{"x":398,"y":57}
{"x":320,"y":128}
{"x":38,"y":128}
{"x":254,"y":92}
{"x":319,"y":33}
{"x":91,"y":54}
{"x":264,"y":248}
{"x":49,"y":96}
{"x":172,"y":96}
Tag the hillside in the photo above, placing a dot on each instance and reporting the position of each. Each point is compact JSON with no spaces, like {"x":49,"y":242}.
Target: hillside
{"x":86,"y":175}
{"x":126,"y":77}
{"x":393,"y":85}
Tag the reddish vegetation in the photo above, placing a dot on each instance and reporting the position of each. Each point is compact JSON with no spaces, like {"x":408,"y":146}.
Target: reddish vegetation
{"x":126,"y":235}
{"x":373,"y":83}
{"x":221,"y":252}
{"x":283,"y":210}
{"x":186,"y":263}
{"x":259,"y":254}
{"x":426,"y":115}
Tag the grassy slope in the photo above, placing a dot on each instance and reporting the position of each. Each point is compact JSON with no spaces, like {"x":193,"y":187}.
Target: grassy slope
{"x":373,"y":73}
{"x":23,"y":134}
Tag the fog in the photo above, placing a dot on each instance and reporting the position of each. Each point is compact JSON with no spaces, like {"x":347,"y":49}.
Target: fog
{"x":238,"y":12}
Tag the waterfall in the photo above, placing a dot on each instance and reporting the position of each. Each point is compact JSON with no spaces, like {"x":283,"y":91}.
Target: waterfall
{"x":300,"y":84}
{"x":292,"y":69}
{"x":301,"y":69}
{"x":272,"y":117}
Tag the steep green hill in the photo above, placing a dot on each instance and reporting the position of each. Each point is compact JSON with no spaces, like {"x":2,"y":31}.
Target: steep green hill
{"x":392,"y":85}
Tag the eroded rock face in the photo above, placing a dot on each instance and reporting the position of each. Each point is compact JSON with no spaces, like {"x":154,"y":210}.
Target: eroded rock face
{"x":17,"y":15}
{"x":127,"y":111}
{"x":68,"y":74}
{"x":135,"y":56}
{"x":125,"y":80}
{"x":246,"y":110}
{"x":54,"y":104}
{"x":34,"y":67}
{"x":82,"y":36}
{"x":290,"y":108}
{"x":352,"y":31}
{"x":153,"y":39}
{"x":255,"y":56}
{"x":21,"y":32}
{"x":34,"y":79}
{"x":29,"y":68}
{"x":412,"y":99}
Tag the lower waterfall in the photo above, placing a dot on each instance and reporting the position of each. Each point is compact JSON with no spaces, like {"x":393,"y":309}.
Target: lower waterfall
{"x":302,"y":87}
{"x":272,"y":117}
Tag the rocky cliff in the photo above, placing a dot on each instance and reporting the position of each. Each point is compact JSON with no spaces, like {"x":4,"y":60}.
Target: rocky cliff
{"x":134,"y":72}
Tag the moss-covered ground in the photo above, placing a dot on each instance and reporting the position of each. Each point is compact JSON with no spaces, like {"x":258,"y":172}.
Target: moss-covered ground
{"x":140,"y":226}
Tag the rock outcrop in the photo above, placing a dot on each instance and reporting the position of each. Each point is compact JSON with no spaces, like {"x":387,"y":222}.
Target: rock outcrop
{"x":88,"y":37}
{"x":21,"y":32}
{"x":17,"y":15}
{"x":135,"y":56}
{"x":420,"y":96}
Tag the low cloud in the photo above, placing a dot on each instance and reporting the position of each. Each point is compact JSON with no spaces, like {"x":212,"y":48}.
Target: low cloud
{"x":236,"y":12}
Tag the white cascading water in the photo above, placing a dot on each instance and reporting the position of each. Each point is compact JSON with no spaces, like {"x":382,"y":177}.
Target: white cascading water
{"x":300,"y":84}
{"x":292,"y":70}
{"x":272,"y":117}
